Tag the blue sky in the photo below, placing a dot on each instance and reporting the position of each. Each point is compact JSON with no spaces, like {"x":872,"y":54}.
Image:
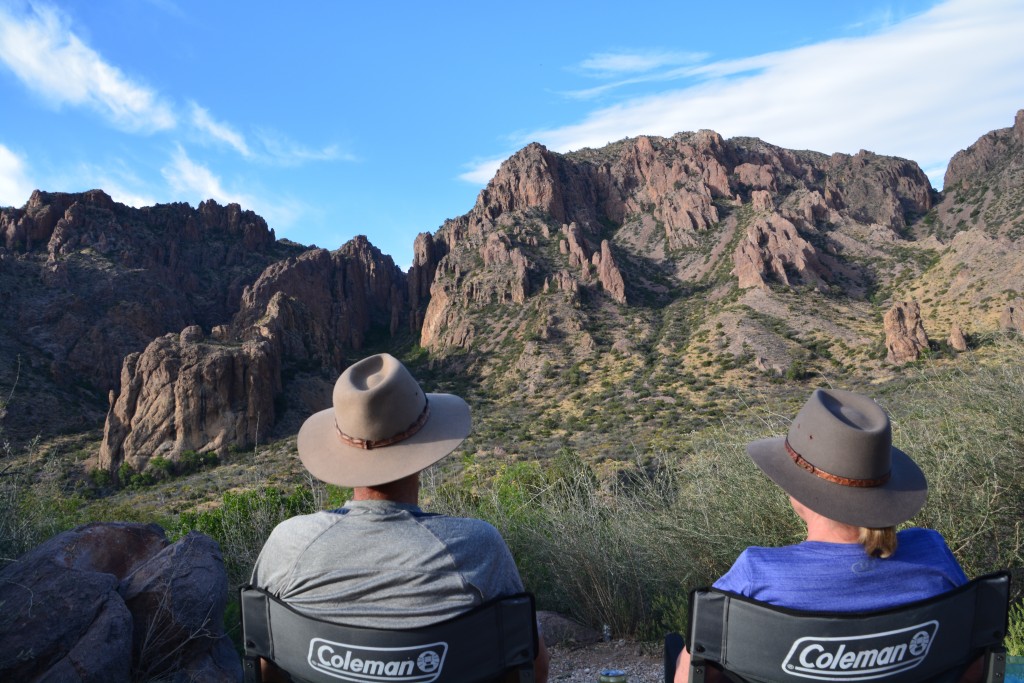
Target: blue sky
{"x":333,"y":119}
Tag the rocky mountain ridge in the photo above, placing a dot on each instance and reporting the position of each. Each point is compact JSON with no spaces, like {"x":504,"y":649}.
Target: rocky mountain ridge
{"x":643,"y":282}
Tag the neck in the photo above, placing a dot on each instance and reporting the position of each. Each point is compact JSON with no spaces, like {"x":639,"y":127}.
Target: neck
{"x":406,"y":490}
{"x":821,"y":528}
{"x":831,"y":531}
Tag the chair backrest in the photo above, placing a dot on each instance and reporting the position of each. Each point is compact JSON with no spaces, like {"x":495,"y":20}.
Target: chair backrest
{"x":484,"y":644}
{"x":930,"y":640}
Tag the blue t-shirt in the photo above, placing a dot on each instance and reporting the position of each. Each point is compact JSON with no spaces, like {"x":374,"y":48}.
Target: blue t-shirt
{"x":841,"y":577}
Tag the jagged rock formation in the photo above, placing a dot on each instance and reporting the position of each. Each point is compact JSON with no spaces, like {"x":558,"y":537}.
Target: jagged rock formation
{"x":984,"y":185}
{"x":117,"y":602}
{"x":184,"y":394}
{"x":774,"y":250}
{"x":303,"y":313}
{"x":84,"y":281}
{"x":670,"y":214}
{"x":905,"y":337}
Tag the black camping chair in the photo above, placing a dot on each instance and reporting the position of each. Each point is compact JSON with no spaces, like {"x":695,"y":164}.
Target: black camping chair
{"x":931,"y":640}
{"x":494,"y":642}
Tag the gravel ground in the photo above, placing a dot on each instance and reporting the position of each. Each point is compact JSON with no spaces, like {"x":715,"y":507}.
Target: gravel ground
{"x":642,"y":662}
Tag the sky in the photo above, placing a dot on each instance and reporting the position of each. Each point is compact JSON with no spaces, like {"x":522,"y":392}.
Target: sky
{"x":334,"y":119}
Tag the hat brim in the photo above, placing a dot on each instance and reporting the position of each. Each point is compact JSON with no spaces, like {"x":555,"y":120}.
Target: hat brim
{"x":892,"y":503}
{"x":331,"y":460}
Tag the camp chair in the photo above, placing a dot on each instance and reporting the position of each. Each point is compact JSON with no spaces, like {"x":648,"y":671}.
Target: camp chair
{"x":494,"y":642}
{"x":930,"y":640}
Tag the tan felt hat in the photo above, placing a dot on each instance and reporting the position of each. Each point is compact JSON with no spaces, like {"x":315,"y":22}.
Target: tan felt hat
{"x":382,"y":426}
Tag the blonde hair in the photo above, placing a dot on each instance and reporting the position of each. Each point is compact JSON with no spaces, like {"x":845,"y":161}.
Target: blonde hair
{"x":878,"y":542}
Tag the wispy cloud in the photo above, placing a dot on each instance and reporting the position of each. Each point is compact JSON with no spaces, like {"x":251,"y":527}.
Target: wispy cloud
{"x":15,"y":186}
{"x":619,"y":63}
{"x":632,"y":68}
{"x":921,"y":88}
{"x":271,"y":147}
{"x":481,"y":171}
{"x":285,"y":151}
{"x":40,"y":49}
{"x":220,"y":132}
{"x":194,"y":182}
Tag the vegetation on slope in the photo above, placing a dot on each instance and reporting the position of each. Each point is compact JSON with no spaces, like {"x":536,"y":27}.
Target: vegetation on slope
{"x":619,"y":545}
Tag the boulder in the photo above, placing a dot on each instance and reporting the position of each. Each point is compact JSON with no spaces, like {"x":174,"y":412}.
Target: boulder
{"x":957,"y":341}
{"x":171,"y":598}
{"x":113,"y":602}
{"x":905,"y":337}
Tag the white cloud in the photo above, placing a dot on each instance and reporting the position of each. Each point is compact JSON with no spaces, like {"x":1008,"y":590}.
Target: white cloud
{"x":615,"y":63}
{"x":921,"y":88}
{"x":15,"y":186}
{"x":51,"y":60}
{"x":193,"y":182}
{"x":282,"y":150}
{"x":222,"y":132}
{"x":482,"y":171}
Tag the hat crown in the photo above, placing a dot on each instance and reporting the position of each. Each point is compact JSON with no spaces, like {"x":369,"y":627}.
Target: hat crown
{"x":376,"y":399}
{"x":843,"y":433}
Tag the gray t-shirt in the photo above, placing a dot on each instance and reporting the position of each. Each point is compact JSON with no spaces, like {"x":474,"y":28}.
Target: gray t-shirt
{"x":385,"y":565}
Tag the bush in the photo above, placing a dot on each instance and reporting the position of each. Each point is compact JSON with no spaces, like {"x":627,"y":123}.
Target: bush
{"x":1014,"y":641}
{"x":32,"y":507}
{"x":242,"y":523}
{"x":627,"y":551}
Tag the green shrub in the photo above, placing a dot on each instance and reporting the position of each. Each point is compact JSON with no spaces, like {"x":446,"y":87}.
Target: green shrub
{"x":243,"y":521}
{"x":1014,"y":641}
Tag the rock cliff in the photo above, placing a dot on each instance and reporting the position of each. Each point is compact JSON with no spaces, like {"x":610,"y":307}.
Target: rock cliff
{"x":305,"y":313}
{"x":85,"y":281}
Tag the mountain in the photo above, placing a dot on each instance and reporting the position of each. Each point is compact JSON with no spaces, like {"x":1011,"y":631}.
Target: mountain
{"x":596,"y":298}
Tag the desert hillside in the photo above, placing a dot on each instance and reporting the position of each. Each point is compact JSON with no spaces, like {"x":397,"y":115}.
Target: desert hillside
{"x":597,"y":299}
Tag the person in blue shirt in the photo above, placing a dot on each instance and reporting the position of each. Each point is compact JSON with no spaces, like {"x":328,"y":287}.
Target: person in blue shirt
{"x":851,"y":488}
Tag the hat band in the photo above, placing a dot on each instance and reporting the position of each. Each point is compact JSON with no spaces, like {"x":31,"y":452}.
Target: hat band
{"x":370,"y":444}
{"x":834,"y":478}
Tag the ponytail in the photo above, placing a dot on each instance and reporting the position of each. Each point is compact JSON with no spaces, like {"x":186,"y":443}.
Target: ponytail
{"x":878,"y":542}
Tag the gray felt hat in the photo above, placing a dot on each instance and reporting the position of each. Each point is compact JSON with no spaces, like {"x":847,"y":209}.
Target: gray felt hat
{"x":839,"y":461}
{"x":382,"y":427}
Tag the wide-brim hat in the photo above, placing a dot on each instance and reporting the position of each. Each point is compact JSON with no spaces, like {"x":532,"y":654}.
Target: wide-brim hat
{"x":839,"y":461}
{"x":382,"y":427}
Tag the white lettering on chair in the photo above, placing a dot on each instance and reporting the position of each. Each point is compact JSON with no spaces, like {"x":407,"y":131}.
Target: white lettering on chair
{"x":359,"y":664}
{"x":860,"y":658}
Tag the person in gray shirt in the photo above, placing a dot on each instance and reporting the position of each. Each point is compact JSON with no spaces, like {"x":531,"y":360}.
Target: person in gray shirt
{"x":380,"y":561}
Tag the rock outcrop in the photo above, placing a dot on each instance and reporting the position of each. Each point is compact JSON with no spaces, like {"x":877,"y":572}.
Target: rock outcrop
{"x":183,"y":393}
{"x":116,"y":603}
{"x":608,"y":273}
{"x":667,"y":208}
{"x":905,"y":337}
{"x":774,"y":250}
{"x":984,"y":184}
{"x":991,"y":150}
{"x":957,"y":341}
{"x":1012,"y":317}
{"x":87,"y":281}
{"x":306,"y":312}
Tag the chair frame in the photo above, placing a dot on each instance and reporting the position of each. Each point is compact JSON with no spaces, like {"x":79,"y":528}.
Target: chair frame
{"x":490,"y":642}
{"x":934,"y":639}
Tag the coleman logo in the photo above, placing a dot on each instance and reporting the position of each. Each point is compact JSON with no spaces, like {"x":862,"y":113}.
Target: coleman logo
{"x":421,"y":664}
{"x":860,"y":658}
